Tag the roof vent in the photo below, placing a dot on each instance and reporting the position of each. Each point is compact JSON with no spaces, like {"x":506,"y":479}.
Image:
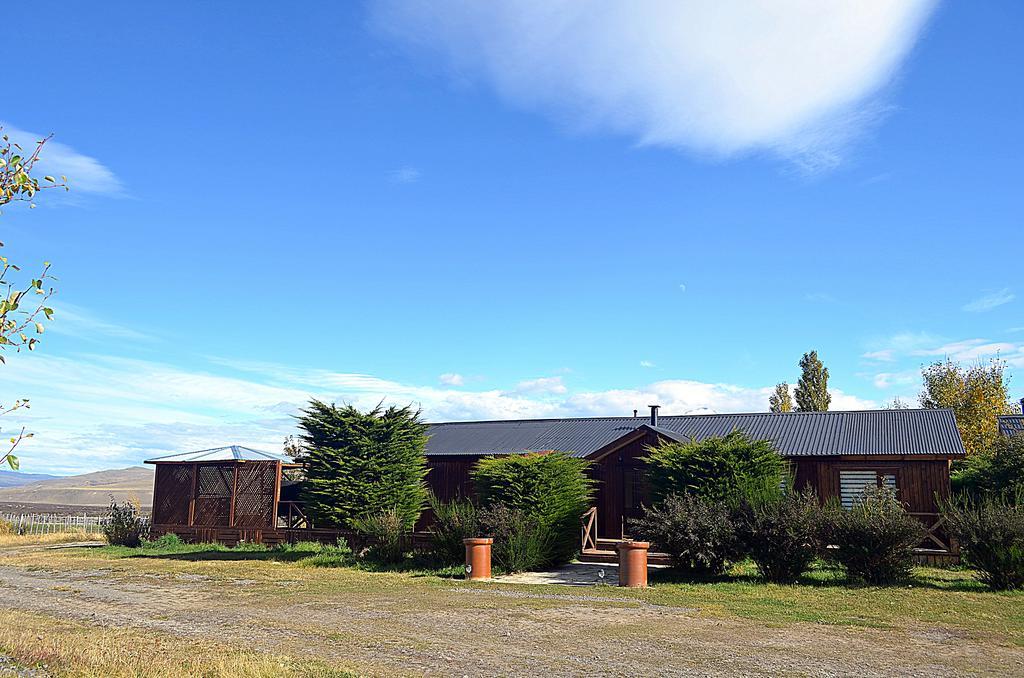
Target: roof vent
{"x":654,"y":414}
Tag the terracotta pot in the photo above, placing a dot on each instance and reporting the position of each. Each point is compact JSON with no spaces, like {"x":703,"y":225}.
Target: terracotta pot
{"x":478,"y":557}
{"x":633,"y":563}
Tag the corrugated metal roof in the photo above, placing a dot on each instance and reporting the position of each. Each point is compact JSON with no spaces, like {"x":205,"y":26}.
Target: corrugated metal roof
{"x":795,"y":434}
{"x":1011,"y":424}
{"x":229,"y":453}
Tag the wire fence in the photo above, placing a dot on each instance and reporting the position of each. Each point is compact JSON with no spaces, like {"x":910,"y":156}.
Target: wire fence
{"x":48,"y":523}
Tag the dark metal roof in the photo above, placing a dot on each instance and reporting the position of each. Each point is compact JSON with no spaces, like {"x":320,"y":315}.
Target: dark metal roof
{"x":795,"y":434}
{"x":229,"y":453}
{"x":1011,"y":424}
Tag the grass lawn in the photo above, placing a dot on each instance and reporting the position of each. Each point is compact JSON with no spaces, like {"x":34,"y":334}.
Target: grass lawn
{"x":217,"y":611}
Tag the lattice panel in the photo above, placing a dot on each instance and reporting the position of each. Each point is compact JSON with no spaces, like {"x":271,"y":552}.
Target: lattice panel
{"x":213,"y":495}
{"x":254,"y":495}
{"x":173,"y":494}
{"x":212,"y":511}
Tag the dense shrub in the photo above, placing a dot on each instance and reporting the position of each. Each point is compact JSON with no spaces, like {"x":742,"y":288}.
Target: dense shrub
{"x":6,"y":527}
{"x":991,"y":536}
{"x":997,"y":472}
{"x":385,"y":532}
{"x":125,"y":526}
{"x":781,"y":532}
{"x":521,"y":543}
{"x":717,"y":467}
{"x":875,"y":539}
{"x":551,"y":488}
{"x":698,"y":533}
{"x":362,"y":464}
{"x":453,"y":521}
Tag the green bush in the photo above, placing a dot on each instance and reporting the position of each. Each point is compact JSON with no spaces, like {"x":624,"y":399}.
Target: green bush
{"x":781,"y":533}
{"x":876,"y":538}
{"x":717,"y":467}
{"x":164,"y":541}
{"x":991,"y":536}
{"x":125,"y":526}
{"x":998,"y":472}
{"x":698,"y":533}
{"x":521,"y":543}
{"x":362,"y":464}
{"x":453,"y":521}
{"x":386,"y":532}
{"x":551,"y":488}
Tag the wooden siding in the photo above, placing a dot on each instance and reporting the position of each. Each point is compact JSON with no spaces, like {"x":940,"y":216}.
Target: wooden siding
{"x":918,"y":482}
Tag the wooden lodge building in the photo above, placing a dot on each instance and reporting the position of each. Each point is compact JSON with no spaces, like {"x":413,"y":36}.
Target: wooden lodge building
{"x":234,"y":493}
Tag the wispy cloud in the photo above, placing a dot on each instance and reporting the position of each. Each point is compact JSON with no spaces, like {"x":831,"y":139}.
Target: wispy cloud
{"x":405,"y":175}
{"x":81,"y":323}
{"x":85,"y":174}
{"x":719,"y":78}
{"x":452,"y":379}
{"x":819,"y":297}
{"x":989,"y":301}
{"x":95,"y":411}
{"x":646,"y":363}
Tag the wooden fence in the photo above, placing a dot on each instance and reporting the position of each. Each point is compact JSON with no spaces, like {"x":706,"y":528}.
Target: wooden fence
{"x":47,"y":523}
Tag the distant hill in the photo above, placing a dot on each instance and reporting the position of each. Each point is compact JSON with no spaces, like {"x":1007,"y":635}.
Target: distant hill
{"x":90,"y":489}
{"x":16,"y":478}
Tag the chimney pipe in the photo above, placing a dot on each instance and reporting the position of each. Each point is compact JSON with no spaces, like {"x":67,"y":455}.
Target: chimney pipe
{"x":634,"y":413}
{"x":654,"y":414}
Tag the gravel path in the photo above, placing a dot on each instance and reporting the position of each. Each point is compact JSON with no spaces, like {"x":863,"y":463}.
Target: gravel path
{"x":483,"y":631}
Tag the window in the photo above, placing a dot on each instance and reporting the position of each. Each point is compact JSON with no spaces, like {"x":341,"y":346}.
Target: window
{"x":853,"y":483}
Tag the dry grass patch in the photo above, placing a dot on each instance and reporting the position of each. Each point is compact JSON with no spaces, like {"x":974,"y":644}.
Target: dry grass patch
{"x":52,"y":538}
{"x":67,"y":648}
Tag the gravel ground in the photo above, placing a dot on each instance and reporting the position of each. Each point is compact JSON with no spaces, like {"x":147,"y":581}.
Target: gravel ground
{"x":487,"y":631}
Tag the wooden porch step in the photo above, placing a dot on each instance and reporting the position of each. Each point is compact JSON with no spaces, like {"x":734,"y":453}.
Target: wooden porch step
{"x":612,"y":556}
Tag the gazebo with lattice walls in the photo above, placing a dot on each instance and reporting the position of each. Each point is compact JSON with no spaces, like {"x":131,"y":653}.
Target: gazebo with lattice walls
{"x":225,"y":494}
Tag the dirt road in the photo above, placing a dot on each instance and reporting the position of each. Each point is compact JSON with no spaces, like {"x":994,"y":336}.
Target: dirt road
{"x":393,"y":624}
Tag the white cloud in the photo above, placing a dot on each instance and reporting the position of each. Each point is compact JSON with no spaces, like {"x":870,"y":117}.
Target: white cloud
{"x":541,"y":386}
{"x":888,"y":380}
{"x":989,"y":301}
{"x":682,"y":287}
{"x":646,"y":363}
{"x":85,"y":174}
{"x":405,"y":175}
{"x":91,"y":412}
{"x":452,"y":379}
{"x":793,"y":76}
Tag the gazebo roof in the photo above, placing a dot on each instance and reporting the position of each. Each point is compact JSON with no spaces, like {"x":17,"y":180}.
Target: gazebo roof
{"x":229,"y":453}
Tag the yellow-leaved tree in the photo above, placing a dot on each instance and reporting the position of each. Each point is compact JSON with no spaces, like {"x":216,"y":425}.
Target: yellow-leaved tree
{"x":976,"y":394}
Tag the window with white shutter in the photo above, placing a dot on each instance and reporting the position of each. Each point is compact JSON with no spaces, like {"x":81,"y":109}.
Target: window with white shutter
{"x":853,"y":483}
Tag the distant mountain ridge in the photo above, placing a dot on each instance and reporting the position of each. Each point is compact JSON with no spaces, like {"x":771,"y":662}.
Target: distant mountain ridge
{"x":90,"y":489}
{"x":16,"y":478}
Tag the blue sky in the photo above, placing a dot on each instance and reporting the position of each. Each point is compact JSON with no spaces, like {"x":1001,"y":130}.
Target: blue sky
{"x":537,"y":209}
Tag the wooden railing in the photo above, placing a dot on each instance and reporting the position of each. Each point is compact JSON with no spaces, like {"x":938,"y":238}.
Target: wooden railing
{"x":935,"y":537}
{"x":588,"y":529}
{"x":293,"y":515}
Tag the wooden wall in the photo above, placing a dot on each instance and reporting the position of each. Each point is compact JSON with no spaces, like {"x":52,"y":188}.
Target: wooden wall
{"x":621,"y":489}
{"x":918,"y":481}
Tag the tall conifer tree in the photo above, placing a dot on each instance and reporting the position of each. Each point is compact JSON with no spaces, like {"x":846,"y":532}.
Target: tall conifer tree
{"x":362,"y":464}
